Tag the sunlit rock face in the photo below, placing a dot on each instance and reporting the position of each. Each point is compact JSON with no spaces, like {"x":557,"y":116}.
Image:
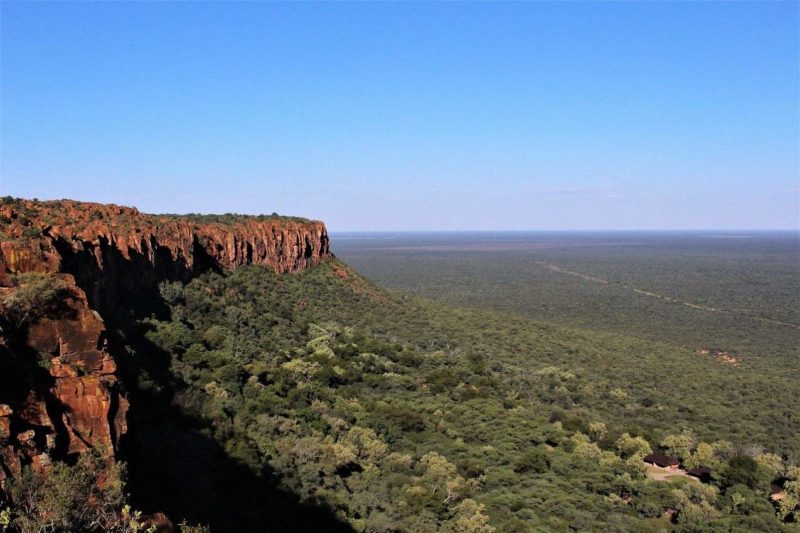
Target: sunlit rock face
{"x":60,"y":394}
{"x":118,"y":249}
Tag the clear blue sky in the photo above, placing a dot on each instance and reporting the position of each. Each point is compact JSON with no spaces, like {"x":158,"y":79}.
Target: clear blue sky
{"x":404,"y":116}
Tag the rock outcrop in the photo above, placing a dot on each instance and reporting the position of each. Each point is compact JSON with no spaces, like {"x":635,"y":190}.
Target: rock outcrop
{"x":117,"y":251}
{"x":59,"y":392}
{"x":59,"y":395}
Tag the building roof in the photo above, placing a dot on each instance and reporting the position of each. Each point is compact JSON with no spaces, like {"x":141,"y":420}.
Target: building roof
{"x":661,"y":460}
{"x":776,"y":493}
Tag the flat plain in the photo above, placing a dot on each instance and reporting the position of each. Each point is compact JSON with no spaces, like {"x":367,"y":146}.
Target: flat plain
{"x":734,"y":296}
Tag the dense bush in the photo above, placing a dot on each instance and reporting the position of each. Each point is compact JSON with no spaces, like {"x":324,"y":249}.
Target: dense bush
{"x":85,"y":497}
{"x":402,"y":412}
{"x":315,"y":401}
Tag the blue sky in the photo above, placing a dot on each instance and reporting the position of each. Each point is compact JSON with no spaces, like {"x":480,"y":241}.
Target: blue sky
{"x":410,"y":116}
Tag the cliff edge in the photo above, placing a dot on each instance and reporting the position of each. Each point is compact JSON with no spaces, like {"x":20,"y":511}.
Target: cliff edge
{"x":63,"y":265}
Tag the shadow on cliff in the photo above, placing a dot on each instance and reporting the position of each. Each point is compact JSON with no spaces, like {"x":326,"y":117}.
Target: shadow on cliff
{"x":21,"y":373}
{"x":174,"y":465}
{"x":26,"y":386}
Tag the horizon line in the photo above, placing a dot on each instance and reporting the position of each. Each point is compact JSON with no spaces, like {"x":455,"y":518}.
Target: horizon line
{"x":592,"y":230}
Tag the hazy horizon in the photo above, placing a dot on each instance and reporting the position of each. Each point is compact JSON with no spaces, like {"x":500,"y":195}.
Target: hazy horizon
{"x":545,"y":231}
{"x":379,"y":231}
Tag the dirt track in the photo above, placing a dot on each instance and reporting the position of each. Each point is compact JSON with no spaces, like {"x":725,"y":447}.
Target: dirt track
{"x":594,"y":279}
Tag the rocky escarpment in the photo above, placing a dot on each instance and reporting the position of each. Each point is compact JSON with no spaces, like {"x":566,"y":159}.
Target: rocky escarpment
{"x":59,"y":391}
{"x":118,"y":253}
{"x":59,"y":395}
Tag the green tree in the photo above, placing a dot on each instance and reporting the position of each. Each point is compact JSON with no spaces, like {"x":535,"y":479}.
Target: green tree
{"x":702,"y":456}
{"x":534,"y":460}
{"x":471,"y":518}
{"x":679,"y":445}
{"x":629,"y":446}
{"x":695,"y":503}
{"x":789,"y":505}
{"x":772,"y":462}
{"x":744,"y":470}
{"x":597,"y":431}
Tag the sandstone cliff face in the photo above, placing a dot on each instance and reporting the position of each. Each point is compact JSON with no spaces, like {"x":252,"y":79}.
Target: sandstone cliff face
{"x":85,"y":387}
{"x":117,"y":249}
{"x":65,"y":398}
{"x":60,"y":395}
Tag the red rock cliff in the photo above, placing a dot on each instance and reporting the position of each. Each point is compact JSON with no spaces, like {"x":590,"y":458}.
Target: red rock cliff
{"x":40,"y":236}
{"x":60,"y":395}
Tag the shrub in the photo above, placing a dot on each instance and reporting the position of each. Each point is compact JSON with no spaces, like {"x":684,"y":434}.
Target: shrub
{"x":533,"y":460}
{"x":742,"y":469}
{"x":36,"y":295}
{"x":68,"y":498}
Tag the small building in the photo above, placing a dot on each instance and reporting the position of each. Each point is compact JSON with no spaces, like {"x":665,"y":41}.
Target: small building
{"x":776,"y":493}
{"x":703,"y":473}
{"x":662,"y":461}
